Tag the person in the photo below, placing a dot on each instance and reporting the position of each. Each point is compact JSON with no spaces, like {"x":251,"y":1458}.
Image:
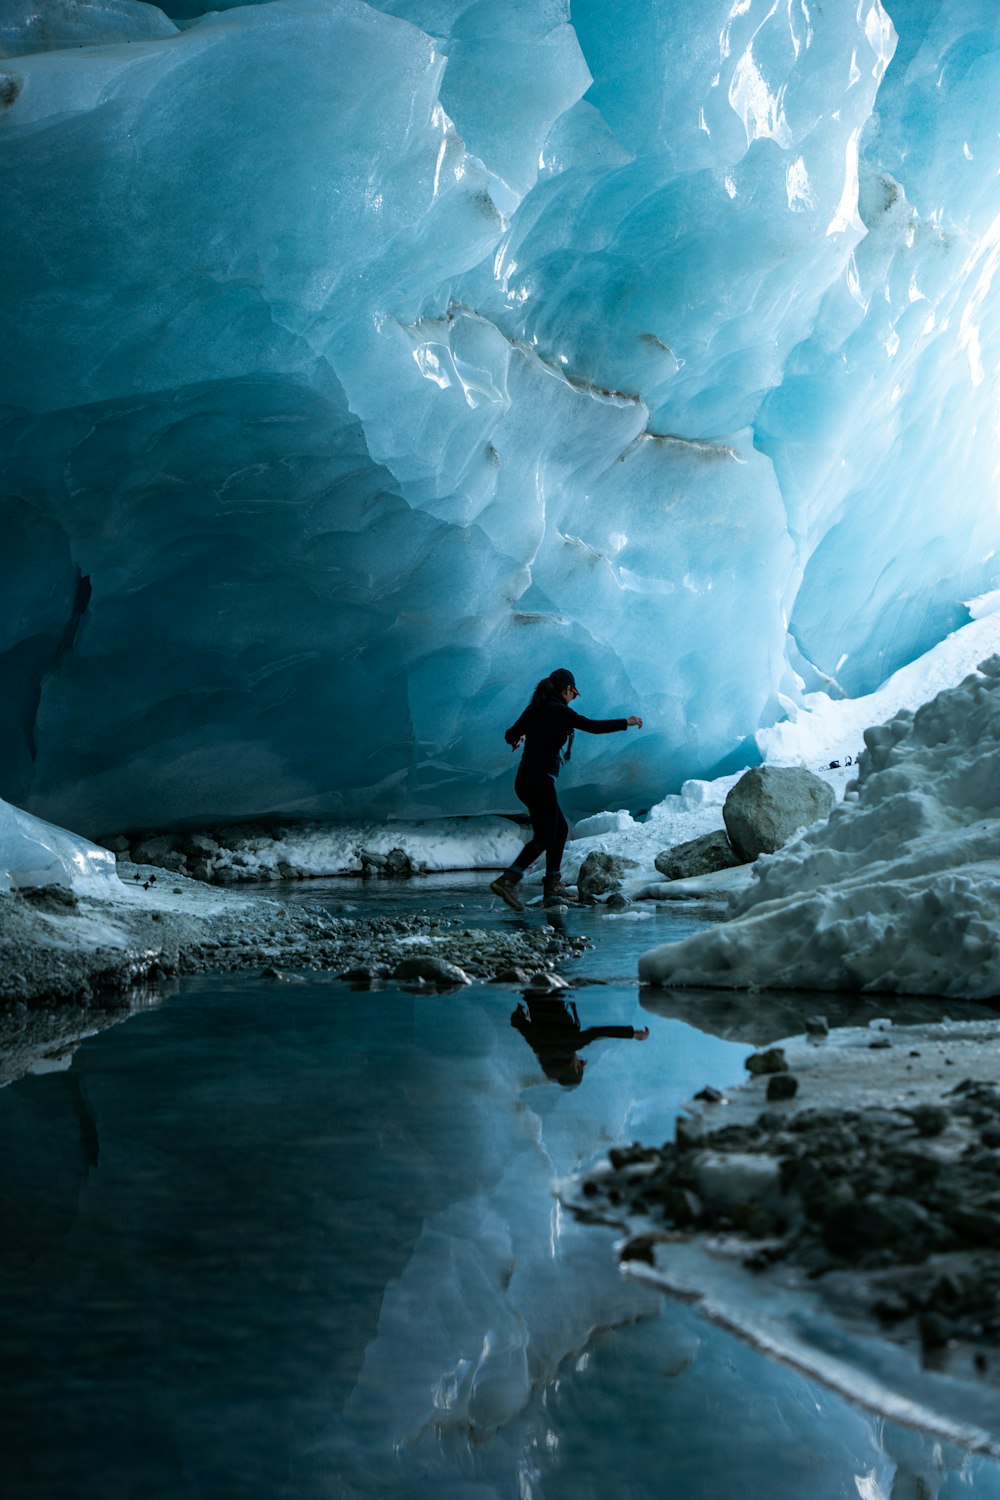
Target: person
{"x":553,"y":1031}
{"x":546,"y":730}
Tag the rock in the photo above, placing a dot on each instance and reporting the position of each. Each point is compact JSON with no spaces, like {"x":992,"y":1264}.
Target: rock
{"x":782,"y":1086}
{"x":371,"y":864}
{"x":878,"y":1222}
{"x":681,"y":1206}
{"x":515,"y":976}
{"x":771,"y":803}
{"x":710,"y":1095}
{"x":173,"y":860}
{"x":201,"y":870}
{"x":771,"y":1061}
{"x":817,"y":1026}
{"x":398,"y":865}
{"x":545,"y":983}
{"x":617,"y":901}
{"x":929,"y":1119}
{"x":199,"y":843}
{"x":243,"y":836}
{"x":152,"y":851}
{"x":602,"y":873}
{"x":425,"y":969}
{"x":702,"y":856}
{"x":117,"y":845}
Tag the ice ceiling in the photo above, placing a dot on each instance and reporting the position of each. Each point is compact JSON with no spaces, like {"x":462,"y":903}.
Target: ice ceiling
{"x":360,"y":364}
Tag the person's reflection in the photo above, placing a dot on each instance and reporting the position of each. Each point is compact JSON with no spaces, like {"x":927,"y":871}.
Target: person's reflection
{"x":553,"y":1032}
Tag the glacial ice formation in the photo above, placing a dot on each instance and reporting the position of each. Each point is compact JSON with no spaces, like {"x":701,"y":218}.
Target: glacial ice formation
{"x":898,"y":891}
{"x":361,"y":363}
{"x":35,"y":854}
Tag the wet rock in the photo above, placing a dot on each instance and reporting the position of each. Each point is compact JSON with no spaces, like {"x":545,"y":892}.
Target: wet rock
{"x":772,"y":1060}
{"x":817,"y":1026}
{"x":877,"y":1222}
{"x":681,"y":1206}
{"x":601,"y":873}
{"x":929,"y":1119}
{"x":771,"y":803}
{"x":688,"y":1132}
{"x":782,"y":1086}
{"x":701,"y":856}
{"x":545,"y":983}
{"x":710,"y":1095}
{"x":617,"y":901}
{"x":426,"y":969}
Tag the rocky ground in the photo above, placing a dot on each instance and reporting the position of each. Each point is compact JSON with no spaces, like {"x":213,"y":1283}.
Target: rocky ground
{"x":71,"y":964}
{"x":858,"y":1173}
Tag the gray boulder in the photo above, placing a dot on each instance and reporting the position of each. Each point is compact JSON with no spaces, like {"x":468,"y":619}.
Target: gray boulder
{"x":702,"y":856}
{"x":434,"y":972}
{"x":770,"y":803}
{"x":152,"y":851}
{"x":601,"y":873}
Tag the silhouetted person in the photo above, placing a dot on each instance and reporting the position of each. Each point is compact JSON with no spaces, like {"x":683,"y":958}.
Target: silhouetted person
{"x":546,"y":729}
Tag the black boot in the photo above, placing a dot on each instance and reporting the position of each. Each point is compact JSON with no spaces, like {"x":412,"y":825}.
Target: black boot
{"x":554,"y":893}
{"x":505,"y":886}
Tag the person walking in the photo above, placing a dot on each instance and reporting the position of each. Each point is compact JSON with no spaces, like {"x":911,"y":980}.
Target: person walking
{"x":546,"y":730}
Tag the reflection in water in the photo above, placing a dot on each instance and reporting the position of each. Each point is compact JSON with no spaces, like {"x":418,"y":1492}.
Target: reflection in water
{"x":553,"y":1031}
{"x":764,"y":1016}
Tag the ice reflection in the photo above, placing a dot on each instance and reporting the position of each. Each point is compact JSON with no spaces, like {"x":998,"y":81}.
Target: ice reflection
{"x":305,"y":1247}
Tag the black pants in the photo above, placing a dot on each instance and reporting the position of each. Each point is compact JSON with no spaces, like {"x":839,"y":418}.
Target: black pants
{"x":549,"y":828}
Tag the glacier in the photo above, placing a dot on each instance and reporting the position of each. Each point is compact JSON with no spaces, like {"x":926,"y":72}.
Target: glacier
{"x":361,"y":363}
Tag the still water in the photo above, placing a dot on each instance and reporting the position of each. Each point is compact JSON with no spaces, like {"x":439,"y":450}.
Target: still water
{"x":298,"y":1242}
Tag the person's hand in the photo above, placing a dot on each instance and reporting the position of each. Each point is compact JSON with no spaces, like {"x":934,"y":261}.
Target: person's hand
{"x":640,"y":1036}
{"x":517,"y":744}
{"x":634,"y":719}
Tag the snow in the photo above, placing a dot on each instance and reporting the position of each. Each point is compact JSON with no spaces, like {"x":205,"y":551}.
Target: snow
{"x":898,"y":891}
{"x":336,"y":413}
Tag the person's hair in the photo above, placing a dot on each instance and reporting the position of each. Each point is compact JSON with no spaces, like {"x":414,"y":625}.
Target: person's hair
{"x":543,"y":690}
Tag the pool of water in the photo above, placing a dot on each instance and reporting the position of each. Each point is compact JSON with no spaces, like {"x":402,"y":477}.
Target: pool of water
{"x":297,"y":1240}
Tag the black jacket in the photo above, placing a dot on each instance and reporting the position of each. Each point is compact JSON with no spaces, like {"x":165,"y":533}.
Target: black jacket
{"x":546,"y":727}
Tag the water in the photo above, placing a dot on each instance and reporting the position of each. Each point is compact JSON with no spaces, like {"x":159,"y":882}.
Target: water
{"x":299,"y":1241}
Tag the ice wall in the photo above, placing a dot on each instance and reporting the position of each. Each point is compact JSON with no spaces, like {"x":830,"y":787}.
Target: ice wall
{"x":358,"y":365}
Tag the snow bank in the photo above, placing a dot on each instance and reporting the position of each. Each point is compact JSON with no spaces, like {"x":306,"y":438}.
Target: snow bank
{"x":899,"y":890}
{"x":35,"y":853}
{"x":825,"y":727}
{"x":332,"y":848}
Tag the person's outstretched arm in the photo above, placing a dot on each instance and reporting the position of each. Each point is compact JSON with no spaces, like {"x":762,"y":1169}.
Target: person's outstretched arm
{"x":601,"y":726}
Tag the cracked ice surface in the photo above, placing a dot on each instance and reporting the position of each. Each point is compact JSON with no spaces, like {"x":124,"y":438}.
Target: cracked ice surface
{"x":361,"y":364}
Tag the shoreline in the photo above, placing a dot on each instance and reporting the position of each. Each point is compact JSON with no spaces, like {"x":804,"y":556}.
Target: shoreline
{"x":74,"y":962}
{"x":848,"y":1228}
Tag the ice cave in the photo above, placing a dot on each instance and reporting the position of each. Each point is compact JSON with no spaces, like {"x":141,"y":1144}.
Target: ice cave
{"x":360,"y":364}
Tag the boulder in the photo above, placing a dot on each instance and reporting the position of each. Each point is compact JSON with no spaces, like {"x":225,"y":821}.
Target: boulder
{"x":771,"y":803}
{"x":398,"y":865}
{"x":434,"y":972}
{"x":152,"y":851}
{"x":200,"y":845}
{"x":601,"y":873}
{"x":702,"y":856}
